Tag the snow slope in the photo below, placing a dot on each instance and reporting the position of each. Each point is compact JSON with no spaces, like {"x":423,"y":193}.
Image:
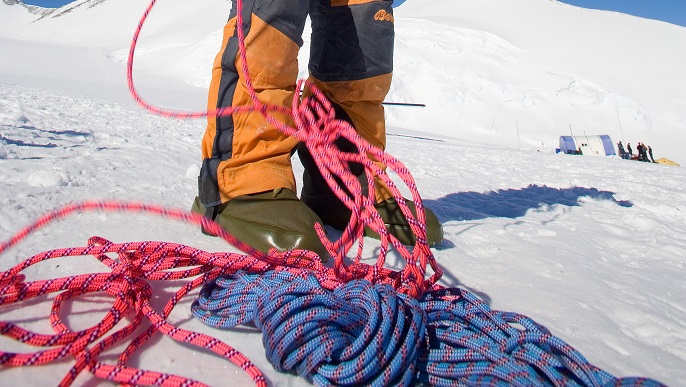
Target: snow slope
{"x":14,"y":16}
{"x":592,"y":248}
{"x":516,"y":73}
{"x":526,"y":72}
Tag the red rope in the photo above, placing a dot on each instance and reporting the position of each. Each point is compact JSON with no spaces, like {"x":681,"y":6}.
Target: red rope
{"x":139,"y":262}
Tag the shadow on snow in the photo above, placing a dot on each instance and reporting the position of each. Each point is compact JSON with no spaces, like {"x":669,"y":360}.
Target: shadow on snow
{"x":511,"y":203}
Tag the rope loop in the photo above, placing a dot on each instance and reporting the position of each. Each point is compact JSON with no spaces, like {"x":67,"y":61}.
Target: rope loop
{"x":317,"y":128}
{"x":360,"y":333}
{"x":127,"y":284}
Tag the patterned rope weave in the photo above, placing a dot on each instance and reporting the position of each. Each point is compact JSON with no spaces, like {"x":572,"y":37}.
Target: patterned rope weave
{"x":357,"y":334}
{"x":137,"y":263}
{"x":365,"y":334}
{"x":127,"y":283}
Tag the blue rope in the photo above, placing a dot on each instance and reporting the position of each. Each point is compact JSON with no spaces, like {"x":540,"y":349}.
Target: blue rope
{"x":364,"y":334}
{"x":471,"y":341}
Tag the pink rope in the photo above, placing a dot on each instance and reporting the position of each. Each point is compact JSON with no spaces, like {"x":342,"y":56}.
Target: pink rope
{"x":139,"y":262}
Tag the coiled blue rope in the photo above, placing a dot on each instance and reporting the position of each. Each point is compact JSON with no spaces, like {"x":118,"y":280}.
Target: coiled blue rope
{"x":364,"y":334}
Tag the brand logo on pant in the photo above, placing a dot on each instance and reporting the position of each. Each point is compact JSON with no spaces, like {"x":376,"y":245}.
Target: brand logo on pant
{"x":382,"y":15}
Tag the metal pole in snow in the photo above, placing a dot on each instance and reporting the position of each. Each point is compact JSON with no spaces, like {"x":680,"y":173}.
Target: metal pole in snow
{"x":618,"y":121}
{"x":393,"y":103}
{"x":403,"y":104}
{"x":491,"y":131}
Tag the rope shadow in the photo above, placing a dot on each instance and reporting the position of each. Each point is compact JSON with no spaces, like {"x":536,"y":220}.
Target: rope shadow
{"x":512,"y":203}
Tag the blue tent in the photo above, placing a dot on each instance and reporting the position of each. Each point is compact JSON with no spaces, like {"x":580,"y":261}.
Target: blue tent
{"x":596,"y":145}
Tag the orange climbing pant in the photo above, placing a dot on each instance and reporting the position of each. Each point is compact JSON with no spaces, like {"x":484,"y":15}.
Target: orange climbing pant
{"x":351,"y":61}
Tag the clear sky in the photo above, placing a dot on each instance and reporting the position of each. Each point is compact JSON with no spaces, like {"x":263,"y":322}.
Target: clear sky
{"x":671,"y":11}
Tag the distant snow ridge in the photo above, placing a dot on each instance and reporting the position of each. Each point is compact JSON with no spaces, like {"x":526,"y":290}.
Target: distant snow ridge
{"x":33,"y":9}
{"x":57,"y":12}
{"x":54,"y":12}
{"x":73,"y":5}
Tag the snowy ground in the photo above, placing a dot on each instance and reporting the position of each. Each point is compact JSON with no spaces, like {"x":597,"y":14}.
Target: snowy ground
{"x":593,"y":248}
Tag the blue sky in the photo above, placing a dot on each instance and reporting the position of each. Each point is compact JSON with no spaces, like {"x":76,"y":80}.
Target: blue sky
{"x":671,"y":11}
{"x":47,"y":3}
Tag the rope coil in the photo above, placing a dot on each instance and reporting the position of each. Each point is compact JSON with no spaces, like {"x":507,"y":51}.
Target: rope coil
{"x":366,"y":334}
{"x":127,"y":283}
{"x":358,"y":333}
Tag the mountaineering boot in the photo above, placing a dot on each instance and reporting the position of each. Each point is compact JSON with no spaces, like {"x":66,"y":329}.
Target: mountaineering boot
{"x":269,"y":219}
{"x":317,"y":194}
{"x":397,"y":225}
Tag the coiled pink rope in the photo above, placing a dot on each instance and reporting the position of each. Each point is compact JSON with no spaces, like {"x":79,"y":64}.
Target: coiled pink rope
{"x":137,"y":263}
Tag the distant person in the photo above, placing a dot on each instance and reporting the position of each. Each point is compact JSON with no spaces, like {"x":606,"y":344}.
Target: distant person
{"x":639,"y":151}
{"x":579,"y":152}
{"x":650,"y":152}
{"x":622,"y":151}
{"x":644,"y":153}
{"x":628,"y":148}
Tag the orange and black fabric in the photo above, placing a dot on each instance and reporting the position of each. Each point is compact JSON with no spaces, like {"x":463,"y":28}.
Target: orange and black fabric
{"x":350,"y":60}
{"x":241,"y":153}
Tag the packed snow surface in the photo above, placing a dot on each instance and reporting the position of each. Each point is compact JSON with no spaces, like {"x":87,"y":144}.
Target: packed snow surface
{"x":593,"y":248}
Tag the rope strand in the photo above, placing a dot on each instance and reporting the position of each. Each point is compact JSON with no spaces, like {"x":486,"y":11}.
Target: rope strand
{"x":369,"y":334}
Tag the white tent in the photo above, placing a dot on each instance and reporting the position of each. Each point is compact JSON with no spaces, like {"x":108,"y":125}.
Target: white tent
{"x":596,"y":145}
